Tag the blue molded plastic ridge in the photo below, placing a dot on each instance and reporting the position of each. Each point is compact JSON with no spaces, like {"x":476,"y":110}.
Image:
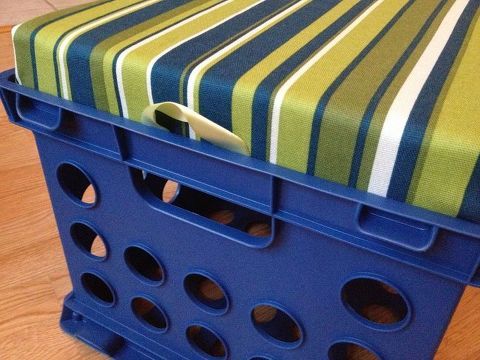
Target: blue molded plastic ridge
{"x":324,"y":236}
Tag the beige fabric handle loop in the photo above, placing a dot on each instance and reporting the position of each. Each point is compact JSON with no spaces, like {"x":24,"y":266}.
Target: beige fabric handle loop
{"x":203,"y":127}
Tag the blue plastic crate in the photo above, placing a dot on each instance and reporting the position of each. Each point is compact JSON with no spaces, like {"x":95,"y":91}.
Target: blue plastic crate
{"x":336,"y":268}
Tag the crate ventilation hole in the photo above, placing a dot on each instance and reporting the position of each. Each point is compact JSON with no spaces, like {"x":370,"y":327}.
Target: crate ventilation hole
{"x":77,"y":184}
{"x":88,"y":240}
{"x":350,"y":351}
{"x":206,"y":293}
{"x":144,"y":265}
{"x":206,"y":342}
{"x":375,"y":302}
{"x":149,"y":314}
{"x":277,"y":326}
{"x":98,"y":289}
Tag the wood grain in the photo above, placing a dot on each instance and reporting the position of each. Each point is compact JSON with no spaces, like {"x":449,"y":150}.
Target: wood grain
{"x":33,"y":274}
{"x":15,"y":11}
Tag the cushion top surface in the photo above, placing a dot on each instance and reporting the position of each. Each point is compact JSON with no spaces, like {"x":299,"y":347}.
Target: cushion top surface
{"x":379,"y":95}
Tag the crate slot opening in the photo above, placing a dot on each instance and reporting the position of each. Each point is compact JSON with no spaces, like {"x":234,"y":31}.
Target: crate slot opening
{"x":77,"y":184}
{"x":224,"y":217}
{"x":98,"y":289}
{"x":88,"y":240}
{"x":350,"y":351}
{"x":277,"y":326}
{"x":157,"y":189}
{"x":206,"y":293}
{"x":144,"y":265}
{"x":258,"y":228}
{"x":149,"y":314}
{"x":206,"y":342}
{"x":375,"y":302}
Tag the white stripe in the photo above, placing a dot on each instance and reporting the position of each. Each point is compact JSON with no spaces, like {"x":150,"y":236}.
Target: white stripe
{"x":206,"y":63}
{"x":66,"y":41}
{"x":279,"y":98}
{"x":14,"y":30}
{"x":126,"y":52}
{"x":399,"y":112}
{"x":163,"y":53}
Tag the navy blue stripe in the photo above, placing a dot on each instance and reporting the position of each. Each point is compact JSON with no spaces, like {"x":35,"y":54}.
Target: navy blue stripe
{"x":78,"y":55}
{"x":470,"y":209}
{"x":59,"y":40}
{"x":37,"y":30}
{"x":218,"y":102}
{"x":117,"y":55}
{"x":377,"y":97}
{"x":279,"y":7}
{"x":419,"y":118}
{"x":263,"y":94}
{"x":322,"y":105}
{"x":168,"y":70}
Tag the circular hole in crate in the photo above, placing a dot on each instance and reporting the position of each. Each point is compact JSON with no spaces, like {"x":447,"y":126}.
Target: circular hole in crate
{"x":149,"y":314}
{"x":224,"y":217}
{"x":88,"y":240}
{"x":206,"y":293}
{"x":377,"y":302}
{"x":144,"y":264}
{"x":98,"y":288}
{"x":350,"y":351}
{"x":259,"y":229}
{"x":77,"y":184}
{"x":206,"y":342}
{"x":276,"y":325}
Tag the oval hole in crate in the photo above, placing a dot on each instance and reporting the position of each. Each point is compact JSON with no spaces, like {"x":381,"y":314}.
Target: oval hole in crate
{"x":149,"y":314}
{"x":98,"y":288}
{"x":206,"y":342}
{"x":206,"y":293}
{"x":375,"y":301}
{"x":350,"y":351}
{"x":144,"y":265}
{"x":88,"y":240}
{"x":77,"y":184}
{"x":277,"y":326}
{"x":260,"y":358}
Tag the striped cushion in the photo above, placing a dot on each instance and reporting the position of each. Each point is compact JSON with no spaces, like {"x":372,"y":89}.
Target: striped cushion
{"x":380,"y":95}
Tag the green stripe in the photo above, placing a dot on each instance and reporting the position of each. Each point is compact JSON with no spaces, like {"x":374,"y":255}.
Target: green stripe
{"x":246,"y":87}
{"x":442,"y":175}
{"x":47,"y":38}
{"x":387,"y":100}
{"x":350,"y":101}
{"x":304,"y":90}
{"x":29,"y":29}
{"x":104,"y":53}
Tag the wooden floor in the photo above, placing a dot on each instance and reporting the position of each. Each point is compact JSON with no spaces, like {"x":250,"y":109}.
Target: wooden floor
{"x":34,"y":278}
{"x":16,"y":11}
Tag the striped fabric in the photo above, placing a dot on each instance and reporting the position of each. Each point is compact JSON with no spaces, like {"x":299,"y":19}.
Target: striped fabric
{"x":379,"y":95}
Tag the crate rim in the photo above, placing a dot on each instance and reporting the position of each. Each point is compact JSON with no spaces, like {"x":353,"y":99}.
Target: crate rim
{"x":406,"y":210}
